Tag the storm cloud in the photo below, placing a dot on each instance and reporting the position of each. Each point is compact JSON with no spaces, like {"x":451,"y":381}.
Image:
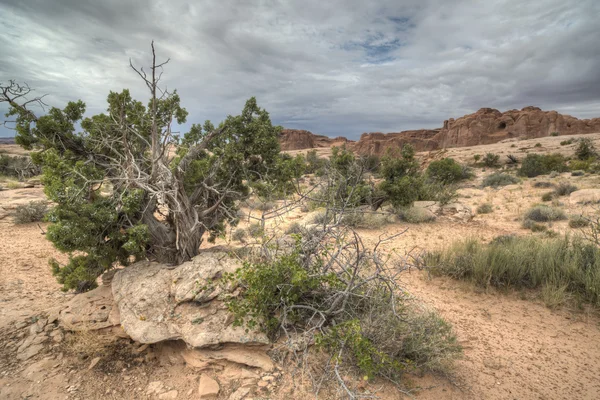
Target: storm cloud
{"x":333,"y":67}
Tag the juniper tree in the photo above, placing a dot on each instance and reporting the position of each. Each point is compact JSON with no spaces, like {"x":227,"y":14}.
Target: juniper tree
{"x":126,"y":187}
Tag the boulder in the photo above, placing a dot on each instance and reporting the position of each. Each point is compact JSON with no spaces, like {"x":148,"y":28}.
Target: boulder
{"x":457,"y":211}
{"x":90,"y":311}
{"x":585,"y":196}
{"x":157,"y":303}
{"x":208,"y":387}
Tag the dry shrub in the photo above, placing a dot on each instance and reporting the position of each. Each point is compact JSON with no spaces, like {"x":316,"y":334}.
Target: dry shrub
{"x":544,"y":213}
{"x":485,"y":208}
{"x":578,"y":221}
{"x":565,"y":189}
{"x":416,"y":215}
{"x":239,"y":235}
{"x":498,"y":179}
{"x":33,"y":211}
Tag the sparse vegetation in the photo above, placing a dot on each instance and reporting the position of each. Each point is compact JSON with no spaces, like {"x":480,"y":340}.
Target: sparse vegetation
{"x":538,"y":145}
{"x":526,"y":262}
{"x":255,"y":230}
{"x":239,"y":235}
{"x":565,"y":189}
{"x":33,"y":211}
{"x":578,"y":221}
{"x":485,"y":208}
{"x":555,"y":134}
{"x":543,"y":213}
{"x":578,"y":173}
{"x":543,"y":184}
{"x":365,"y":219}
{"x":567,"y":142}
{"x":491,"y":160}
{"x":293,"y":228}
{"x":534,"y":226}
{"x":498,"y":179}
{"x":585,"y":149}
{"x":548,"y":196}
{"x":416,"y":215}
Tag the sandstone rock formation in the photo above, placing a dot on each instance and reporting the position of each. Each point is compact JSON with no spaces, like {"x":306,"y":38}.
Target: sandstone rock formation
{"x":296,"y":139}
{"x":486,"y":126}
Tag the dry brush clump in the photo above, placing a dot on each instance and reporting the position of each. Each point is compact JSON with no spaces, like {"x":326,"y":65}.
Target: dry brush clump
{"x":567,"y":264}
{"x":543,"y":213}
{"x":498,"y":179}
{"x":332,"y":292}
{"x":34,"y":211}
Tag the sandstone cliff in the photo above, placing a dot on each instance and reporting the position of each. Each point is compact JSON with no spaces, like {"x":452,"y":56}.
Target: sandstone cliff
{"x":486,"y":126}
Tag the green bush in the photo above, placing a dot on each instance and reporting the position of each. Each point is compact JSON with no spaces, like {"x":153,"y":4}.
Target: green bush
{"x":544,"y":213}
{"x":538,"y":164}
{"x":498,"y":179}
{"x":578,"y":173}
{"x":416,"y":215}
{"x":578,"y":221}
{"x":548,"y":196}
{"x":20,"y":167}
{"x":485,"y":208}
{"x":284,"y":292}
{"x":566,"y":142}
{"x":239,"y":235}
{"x":526,"y":262}
{"x":491,"y":160}
{"x":447,"y":171}
{"x":583,"y":165}
{"x":538,"y":145}
{"x":33,"y":211}
{"x":585,"y":149}
{"x":565,"y":189}
{"x":554,"y":134}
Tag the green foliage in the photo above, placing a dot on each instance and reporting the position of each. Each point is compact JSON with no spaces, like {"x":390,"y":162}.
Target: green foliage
{"x":103,"y":218}
{"x":565,"y":189}
{"x":416,"y":215}
{"x":485,"y":208}
{"x":270,"y":287}
{"x":286,"y":292}
{"x":585,"y":149}
{"x":567,"y":142}
{"x":578,"y":221}
{"x":314,"y":163}
{"x":543,"y":213}
{"x":538,"y":164}
{"x":538,"y":145}
{"x":581,"y":165}
{"x":498,"y":179}
{"x":447,"y":171}
{"x":33,"y":211}
{"x":491,"y":160}
{"x":554,"y":133}
{"x":477,"y":157}
{"x":402,"y":182}
{"x":526,"y":262}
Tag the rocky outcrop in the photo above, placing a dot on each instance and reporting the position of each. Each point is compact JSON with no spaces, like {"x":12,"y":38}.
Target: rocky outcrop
{"x":296,"y":139}
{"x":158,"y":304}
{"x":378,"y":143}
{"x":486,"y":126}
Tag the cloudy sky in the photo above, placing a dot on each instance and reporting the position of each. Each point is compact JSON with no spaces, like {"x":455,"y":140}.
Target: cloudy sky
{"x":330,"y":66}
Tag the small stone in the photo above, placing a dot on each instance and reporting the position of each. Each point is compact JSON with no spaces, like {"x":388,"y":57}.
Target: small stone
{"x":268,"y":378}
{"x":155,"y":388}
{"x":93,"y":363}
{"x":30,"y":352}
{"x":171,"y":395}
{"x":207,"y":387}
{"x":240,"y":393}
{"x":263,"y":384}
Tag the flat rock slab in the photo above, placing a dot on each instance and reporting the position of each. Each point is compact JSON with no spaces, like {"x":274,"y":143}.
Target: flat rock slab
{"x":585,"y":196}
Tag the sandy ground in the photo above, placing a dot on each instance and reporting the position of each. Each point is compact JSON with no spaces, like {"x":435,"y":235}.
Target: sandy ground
{"x":514,"y":346}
